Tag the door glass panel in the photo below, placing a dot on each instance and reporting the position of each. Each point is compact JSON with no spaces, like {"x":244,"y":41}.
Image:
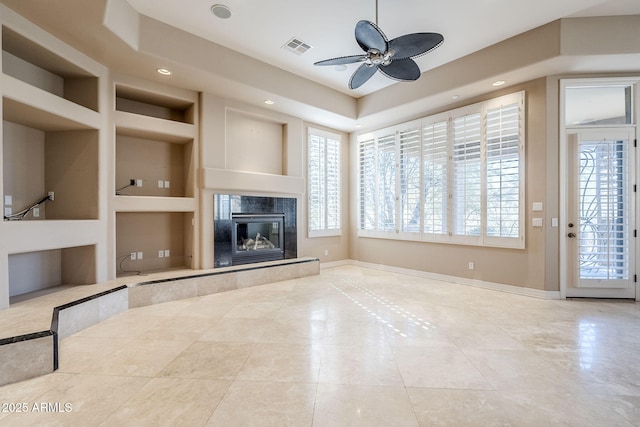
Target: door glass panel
{"x":598,"y":105}
{"x":604,"y":210}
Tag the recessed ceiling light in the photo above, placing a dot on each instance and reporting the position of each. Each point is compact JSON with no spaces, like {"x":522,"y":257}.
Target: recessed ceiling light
{"x":221,"y":11}
{"x":455,"y":97}
{"x":163,"y":71}
{"x":498,"y":83}
{"x":340,"y":67}
{"x":269,"y":102}
{"x":358,"y":125}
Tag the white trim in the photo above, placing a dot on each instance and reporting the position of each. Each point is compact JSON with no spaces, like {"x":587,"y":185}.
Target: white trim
{"x":492,"y":286}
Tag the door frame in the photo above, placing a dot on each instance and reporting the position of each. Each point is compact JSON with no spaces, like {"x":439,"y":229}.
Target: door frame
{"x":563,"y":184}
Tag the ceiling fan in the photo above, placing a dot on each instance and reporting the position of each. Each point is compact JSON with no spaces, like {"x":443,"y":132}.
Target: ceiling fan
{"x":393,"y":58}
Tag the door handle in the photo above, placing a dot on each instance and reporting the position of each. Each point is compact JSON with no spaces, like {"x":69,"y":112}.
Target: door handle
{"x":572,"y":235}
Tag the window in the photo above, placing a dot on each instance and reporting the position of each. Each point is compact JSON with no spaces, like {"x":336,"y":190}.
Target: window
{"x":324,"y":180}
{"x":454,"y":177}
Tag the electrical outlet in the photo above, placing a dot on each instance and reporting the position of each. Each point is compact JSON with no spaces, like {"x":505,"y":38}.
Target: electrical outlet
{"x":7,"y":211}
{"x":167,"y":184}
{"x":160,"y":253}
{"x":36,"y":212}
{"x":167,"y":253}
{"x":133,"y":256}
{"x":8,"y":200}
{"x":138,"y":183}
{"x":160,"y":183}
{"x":132,"y":182}
{"x":52,"y":196}
{"x":326,"y":252}
{"x":139,"y":255}
{"x":471,"y":266}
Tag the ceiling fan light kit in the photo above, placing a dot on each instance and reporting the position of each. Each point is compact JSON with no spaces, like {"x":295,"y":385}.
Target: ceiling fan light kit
{"x":393,"y":58}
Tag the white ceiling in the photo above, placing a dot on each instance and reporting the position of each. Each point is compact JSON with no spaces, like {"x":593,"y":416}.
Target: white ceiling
{"x":260,"y":28}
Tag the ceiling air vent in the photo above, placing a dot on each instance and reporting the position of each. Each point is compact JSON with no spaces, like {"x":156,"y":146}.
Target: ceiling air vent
{"x":296,"y":46}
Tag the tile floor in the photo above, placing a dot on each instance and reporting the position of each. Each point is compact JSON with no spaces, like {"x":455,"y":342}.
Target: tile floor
{"x":351,"y":347}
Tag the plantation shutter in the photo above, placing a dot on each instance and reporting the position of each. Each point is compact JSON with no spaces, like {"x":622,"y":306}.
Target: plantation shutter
{"x":467,"y":179}
{"x":410,"y":182}
{"x":386,"y":182}
{"x":503,"y":171}
{"x":435,"y":153}
{"x":368,"y":167}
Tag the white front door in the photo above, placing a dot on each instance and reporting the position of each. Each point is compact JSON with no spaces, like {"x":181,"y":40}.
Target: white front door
{"x":601,"y":220}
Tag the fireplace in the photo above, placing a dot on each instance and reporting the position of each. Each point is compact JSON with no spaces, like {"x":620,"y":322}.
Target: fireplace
{"x":256,"y":238}
{"x":239,"y":219}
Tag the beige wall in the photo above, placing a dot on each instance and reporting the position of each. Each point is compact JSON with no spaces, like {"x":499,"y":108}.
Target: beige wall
{"x":518,"y":267}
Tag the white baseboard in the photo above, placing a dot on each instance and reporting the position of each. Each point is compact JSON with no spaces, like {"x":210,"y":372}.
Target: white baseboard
{"x":500,"y":287}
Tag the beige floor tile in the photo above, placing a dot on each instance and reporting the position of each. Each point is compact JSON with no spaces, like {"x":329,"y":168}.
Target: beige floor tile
{"x":78,"y":402}
{"x":352,"y":346}
{"x":28,"y":392}
{"x":283,"y":363}
{"x":170,"y":402}
{"x":236,"y":330}
{"x":441,"y":407}
{"x":213,"y":360}
{"x":511,"y":370}
{"x":250,"y":403}
{"x":144,"y":358}
{"x":438,"y":368}
{"x":366,"y":365}
{"x":360,"y":405}
{"x":78,"y":353}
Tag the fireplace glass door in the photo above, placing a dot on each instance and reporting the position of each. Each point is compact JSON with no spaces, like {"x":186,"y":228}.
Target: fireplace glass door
{"x":257,"y":238}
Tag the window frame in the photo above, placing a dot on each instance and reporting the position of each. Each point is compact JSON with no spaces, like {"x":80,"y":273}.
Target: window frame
{"x":449,"y":236}
{"x":324,"y":230}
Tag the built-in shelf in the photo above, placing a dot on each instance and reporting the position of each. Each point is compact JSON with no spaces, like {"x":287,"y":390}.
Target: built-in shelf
{"x":38,"y":162}
{"x":153,"y":241}
{"x":34,"y":271}
{"x":41,"y":68}
{"x":155,"y":201}
{"x":53,"y":150}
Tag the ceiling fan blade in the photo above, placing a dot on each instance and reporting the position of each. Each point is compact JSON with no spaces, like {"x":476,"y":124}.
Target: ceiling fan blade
{"x":362,"y":74}
{"x":343,"y":60}
{"x":415,"y":44}
{"x":401,"y":69}
{"x":369,"y":36}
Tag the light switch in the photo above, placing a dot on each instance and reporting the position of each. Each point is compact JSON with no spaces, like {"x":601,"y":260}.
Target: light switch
{"x":537,"y":206}
{"x":536,"y":222}
{"x":8,"y":200}
{"x":554,"y":222}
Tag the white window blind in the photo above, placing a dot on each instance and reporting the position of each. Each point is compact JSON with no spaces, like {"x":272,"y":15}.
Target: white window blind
{"x":467,"y":184}
{"x":386,"y":182}
{"x":324,"y":183}
{"x":454,"y":177}
{"x":410,"y":182}
{"x":503,"y":171}
{"x":435,"y":154}
{"x":368,"y":168}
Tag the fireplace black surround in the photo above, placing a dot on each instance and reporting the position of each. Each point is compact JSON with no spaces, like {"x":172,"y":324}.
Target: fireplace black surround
{"x":250,"y":229}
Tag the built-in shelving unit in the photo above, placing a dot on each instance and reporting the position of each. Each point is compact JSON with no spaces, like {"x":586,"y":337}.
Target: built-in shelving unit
{"x":155,"y":197}
{"x":51,"y":147}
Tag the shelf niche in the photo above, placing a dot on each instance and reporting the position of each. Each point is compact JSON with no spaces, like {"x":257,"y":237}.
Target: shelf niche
{"x":31,"y":273}
{"x":136,"y":101}
{"x":150,"y":233}
{"x":33,"y":64}
{"x":155,"y":163}
{"x":36,"y":162}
